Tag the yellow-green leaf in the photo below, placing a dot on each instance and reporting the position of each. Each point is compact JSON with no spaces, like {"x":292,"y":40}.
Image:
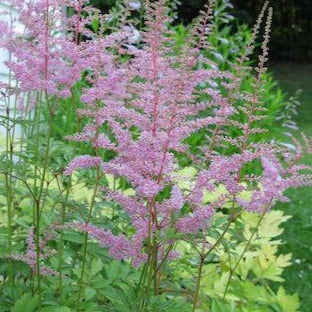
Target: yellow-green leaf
{"x":288,"y":303}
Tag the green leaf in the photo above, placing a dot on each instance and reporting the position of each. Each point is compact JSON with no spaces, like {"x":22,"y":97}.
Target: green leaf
{"x":270,"y":225}
{"x":27,"y":303}
{"x":96,"y":267}
{"x":218,"y":306}
{"x":73,"y":237}
{"x":113,"y":295}
{"x":288,"y":303}
{"x":89,"y":293}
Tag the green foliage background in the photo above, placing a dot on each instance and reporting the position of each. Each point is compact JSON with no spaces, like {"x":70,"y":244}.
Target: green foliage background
{"x":292,"y":31}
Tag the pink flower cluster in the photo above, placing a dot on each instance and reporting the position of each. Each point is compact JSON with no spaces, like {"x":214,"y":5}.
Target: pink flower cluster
{"x":85,"y":161}
{"x":47,"y":56}
{"x":29,"y":257}
{"x":154,"y":94}
{"x":151,"y":104}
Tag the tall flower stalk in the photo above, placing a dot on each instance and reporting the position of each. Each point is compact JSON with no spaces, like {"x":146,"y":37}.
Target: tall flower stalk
{"x":10,"y":100}
{"x":41,"y":49}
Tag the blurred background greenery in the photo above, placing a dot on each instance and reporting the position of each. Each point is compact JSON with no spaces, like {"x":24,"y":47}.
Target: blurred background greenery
{"x":292,"y":24}
{"x":298,"y":230}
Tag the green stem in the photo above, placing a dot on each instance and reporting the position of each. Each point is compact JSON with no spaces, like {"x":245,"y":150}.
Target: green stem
{"x":153,"y":277}
{"x":163,"y":260}
{"x":213,"y":247}
{"x":25,"y":117}
{"x":232,"y":271}
{"x":38,"y":207}
{"x":204,"y":255}
{"x":199,"y":275}
{"x":47,"y":151}
{"x":155,"y":273}
{"x":37,"y":238}
{"x":150,"y":261}
{"x":8,"y":178}
{"x":85,"y":243}
{"x":34,"y":131}
{"x":10,"y":229}
{"x":142,"y":276}
{"x":145,"y":294}
{"x":20,"y":179}
{"x":8,"y":182}
{"x":141,"y":286}
{"x":64,"y":200}
{"x":61,"y":242}
{"x":153,"y":270}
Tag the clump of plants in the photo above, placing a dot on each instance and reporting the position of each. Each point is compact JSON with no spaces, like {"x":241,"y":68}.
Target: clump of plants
{"x":159,"y":195}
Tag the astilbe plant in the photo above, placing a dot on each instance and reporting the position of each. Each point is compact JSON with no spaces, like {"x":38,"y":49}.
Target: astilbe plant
{"x":142,"y":101}
{"x":45,"y":62}
{"x":152,"y":103}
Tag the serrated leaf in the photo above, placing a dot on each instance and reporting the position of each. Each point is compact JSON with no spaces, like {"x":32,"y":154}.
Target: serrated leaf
{"x":288,"y":303}
{"x":73,"y":237}
{"x":89,"y":293}
{"x":270,"y":225}
{"x":283,"y":261}
{"x":218,"y":306}
{"x":271,"y":272}
{"x":113,"y":295}
{"x":27,"y":303}
{"x":96,"y":267}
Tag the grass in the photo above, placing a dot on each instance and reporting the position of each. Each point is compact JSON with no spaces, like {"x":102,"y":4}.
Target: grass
{"x":298,"y":230}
